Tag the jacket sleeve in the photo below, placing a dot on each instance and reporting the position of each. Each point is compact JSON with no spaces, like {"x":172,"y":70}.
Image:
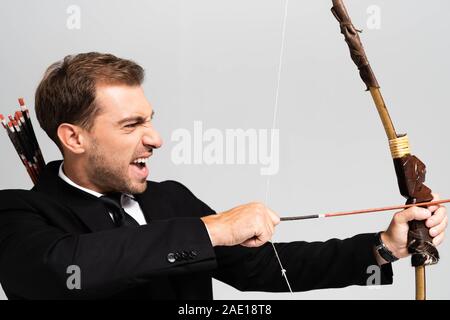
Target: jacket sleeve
{"x":310,"y":265}
{"x":34,"y":255}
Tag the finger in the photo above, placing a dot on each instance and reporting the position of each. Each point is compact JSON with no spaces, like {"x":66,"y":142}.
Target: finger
{"x":249,"y":243}
{"x":438,"y":240}
{"x":437,"y":230}
{"x":258,"y":240}
{"x":413,"y":213}
{"x":252,"y":242}
{"x":436,"y":197}
{"x":270,"y":230}
{"x":437,"y":217}
{"x":273,"y":216}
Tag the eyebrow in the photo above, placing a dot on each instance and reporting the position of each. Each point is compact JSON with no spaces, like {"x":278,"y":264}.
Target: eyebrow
{"x":135,"y":118}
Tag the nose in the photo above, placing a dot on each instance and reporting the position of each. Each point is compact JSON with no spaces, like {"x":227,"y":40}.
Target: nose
{"x":151,"y":138}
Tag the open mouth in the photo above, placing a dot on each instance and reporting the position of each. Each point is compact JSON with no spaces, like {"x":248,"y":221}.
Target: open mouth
{"x":139,"y":164}
{"x":140,"y":167}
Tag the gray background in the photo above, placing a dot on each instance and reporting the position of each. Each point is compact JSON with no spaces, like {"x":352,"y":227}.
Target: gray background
{"x":217,"y":61}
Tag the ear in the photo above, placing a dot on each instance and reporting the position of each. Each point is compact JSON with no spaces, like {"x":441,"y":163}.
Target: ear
{"x":72,"y":138}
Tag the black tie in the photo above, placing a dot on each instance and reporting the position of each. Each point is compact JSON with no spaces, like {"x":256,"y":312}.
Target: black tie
{"x":120,"y":217}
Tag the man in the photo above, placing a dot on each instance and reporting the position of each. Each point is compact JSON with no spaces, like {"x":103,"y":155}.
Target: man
{"x":95,"y":212}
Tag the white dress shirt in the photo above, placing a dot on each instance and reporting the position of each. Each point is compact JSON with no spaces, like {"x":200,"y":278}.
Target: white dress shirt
{"x":129,"y":204}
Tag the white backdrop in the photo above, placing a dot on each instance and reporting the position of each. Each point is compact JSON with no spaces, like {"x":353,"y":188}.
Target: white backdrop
{"x":217,"y":62}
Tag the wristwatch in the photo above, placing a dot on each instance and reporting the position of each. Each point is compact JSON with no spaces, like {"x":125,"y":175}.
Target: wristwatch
{"x":382,"y":250}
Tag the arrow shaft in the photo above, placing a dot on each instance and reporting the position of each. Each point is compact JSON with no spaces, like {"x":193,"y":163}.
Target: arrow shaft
{"x":362,"y":211}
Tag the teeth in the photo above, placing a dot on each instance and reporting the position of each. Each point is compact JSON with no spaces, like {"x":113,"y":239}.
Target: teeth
{"x":140,"y":160}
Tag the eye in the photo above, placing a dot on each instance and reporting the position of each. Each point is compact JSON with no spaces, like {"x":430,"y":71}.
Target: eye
{"x":131,"y":125}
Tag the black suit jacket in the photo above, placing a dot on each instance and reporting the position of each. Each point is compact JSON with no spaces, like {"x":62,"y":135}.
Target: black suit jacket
{"x":54,"y":225}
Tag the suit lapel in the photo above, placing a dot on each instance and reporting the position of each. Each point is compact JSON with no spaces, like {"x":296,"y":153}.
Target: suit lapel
{"x":154,"y":203}
{"x":145,"y":202}
{"x":85,"y":206}
{"x":93,"y":214}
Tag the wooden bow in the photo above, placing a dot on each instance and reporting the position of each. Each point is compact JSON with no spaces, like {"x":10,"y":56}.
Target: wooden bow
{"x":409,"y":169}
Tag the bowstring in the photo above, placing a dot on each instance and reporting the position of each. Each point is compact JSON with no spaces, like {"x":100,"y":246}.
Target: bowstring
{"x":274,"y":120}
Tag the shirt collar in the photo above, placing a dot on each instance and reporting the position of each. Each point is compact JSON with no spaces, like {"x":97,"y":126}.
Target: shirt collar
{"x":63,"y":176}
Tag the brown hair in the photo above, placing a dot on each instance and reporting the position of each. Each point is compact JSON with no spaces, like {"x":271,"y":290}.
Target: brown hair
{"x":66,"y":94}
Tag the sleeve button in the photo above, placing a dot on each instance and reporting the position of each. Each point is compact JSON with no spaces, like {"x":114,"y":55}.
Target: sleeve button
{"x":171,"y":257}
